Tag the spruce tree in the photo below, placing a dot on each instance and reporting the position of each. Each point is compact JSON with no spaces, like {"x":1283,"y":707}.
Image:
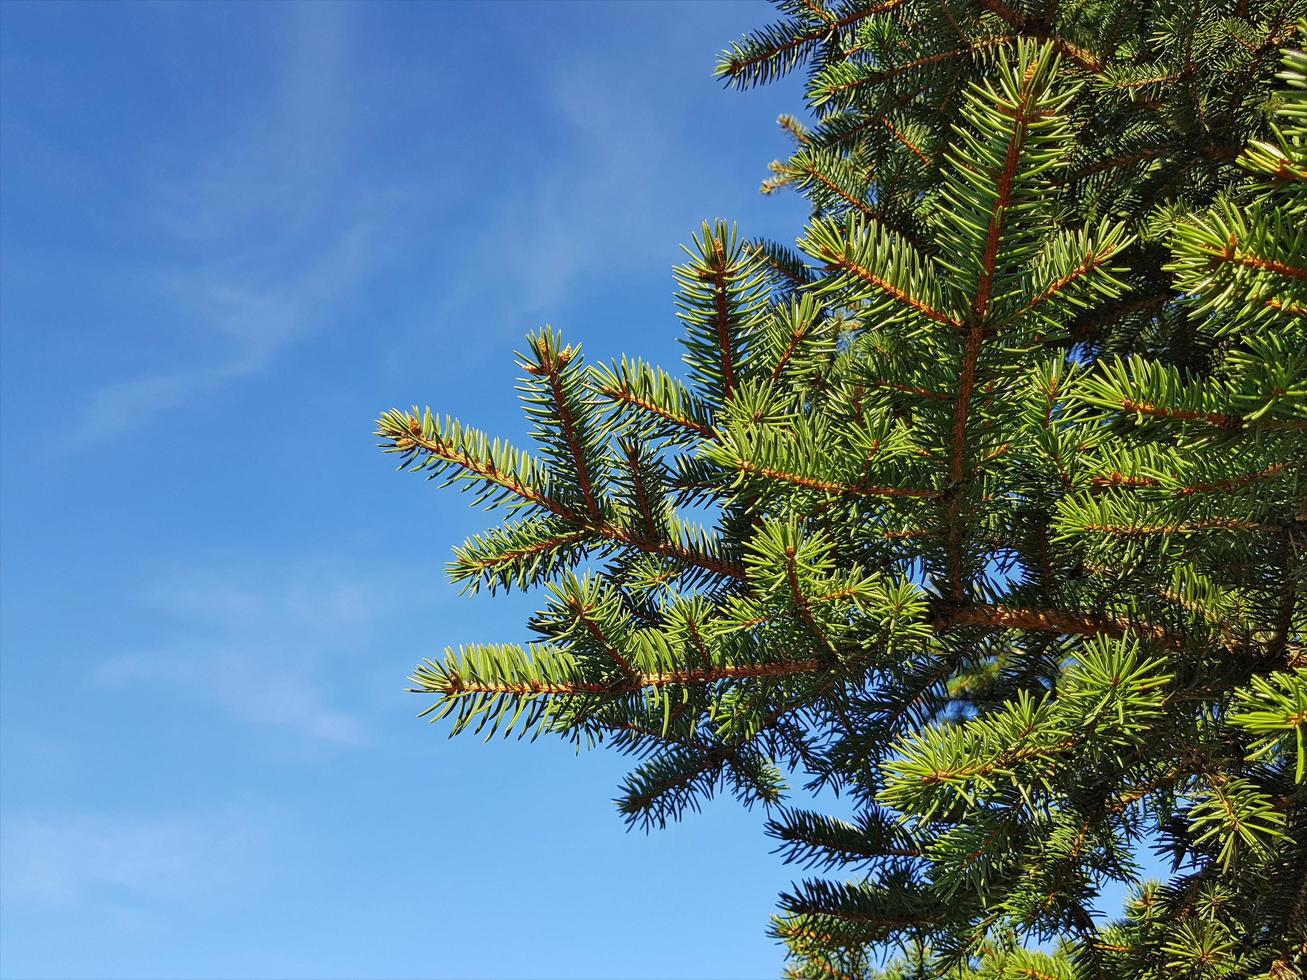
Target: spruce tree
{"x":1000,"y":493}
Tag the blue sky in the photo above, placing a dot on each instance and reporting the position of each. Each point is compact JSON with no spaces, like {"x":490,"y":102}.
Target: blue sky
{"x":232,"y":234}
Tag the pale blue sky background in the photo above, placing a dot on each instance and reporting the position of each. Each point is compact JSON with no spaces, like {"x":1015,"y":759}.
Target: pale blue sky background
{"x":231,"y":235}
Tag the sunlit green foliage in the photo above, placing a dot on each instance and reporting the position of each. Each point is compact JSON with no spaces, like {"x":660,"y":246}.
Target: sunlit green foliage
{"x":985,"y":508}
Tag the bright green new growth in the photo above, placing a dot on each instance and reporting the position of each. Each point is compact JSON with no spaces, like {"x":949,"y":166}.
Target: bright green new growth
{"x":1005,"y":511}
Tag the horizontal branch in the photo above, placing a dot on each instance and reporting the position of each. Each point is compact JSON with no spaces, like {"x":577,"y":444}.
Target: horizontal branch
{"x":816,"y":34}
{"x":1091,"y":262}
{"x":455,"y":685}
{"x":1186,"y":527}
{"x":627,"y":396}
{"x":592,"y":522}
{"x":1055,"y":621}
{"x":1118,"y":479}
{"x":1213,"y":419}
{"x":1025,"y":24}
{"x":907,"y":389}
{"x":539,"y":547}
{"x":1231,"y":255}
{"x":894,"y":292}
{"x":830,"y":486}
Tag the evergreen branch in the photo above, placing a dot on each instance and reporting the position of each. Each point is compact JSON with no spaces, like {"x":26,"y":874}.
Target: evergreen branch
{"x":797,"y":337}
{"x":912,"y":147}
{"x":1092,"y":262}
{"x":1121,"y":802}
{"x":1214,"y":419}
{"x":1117,"y":479}
{"x":519,"y":553}
{"x":693,"y":771}
{"x":671,"y":550}
{"x":631,"y":450}
{"x":800,"y":601}
{"x":673,"y":777}
{"x":1181,"y":527}
{"x":1021,"y":116}
{"x":1082,"y":624}
{"x":549,"y":363}
{"x":581,"y":611}
{"x":879,"y":75}
{"x":1030,"y":27}
{"x":1056,"y":621}
{"x":807,"y":167}
{"x":831,"y":486}
{"x":1217,"y":152}
{"x":878,"y":910}
{"x":907,"y":389}
{"x":638,"y":386}
{"x":723,"y":301}
{"x":784,"y":263}
{"x":817,"y":839}
{"x":511,"y":555}
{"x":1229,"y":253}
{"x":957,"y":460}
{"x":407,"y":433}
{"x":1274,"y":708}
{"x":451,"y":684}
{"x":736,"y":63}
{"x":717,"y":275}
{"x":1152,"y":390}
{"x":486,"y":470}
{"x":879,"y":260}
{"x":939,"y":767}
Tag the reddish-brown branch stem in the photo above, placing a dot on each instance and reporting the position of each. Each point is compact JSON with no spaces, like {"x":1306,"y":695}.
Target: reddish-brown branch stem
{"x":629,"y":397}
{"x":812,"y":172}
{"x":569,"y":435}
{"x":1003,"y":196}
{"x":796,"y":338}
{"x":637,"y":482}
{"x":593,"y":629}
{"x":815,"y":34}
{"x":801,"y":601}
{"x":889,"y":289}
{"x":1027,"y":25}
{"x":908,"y":389}
{"x":557,"y":541}
{"x":457,"y":685}
{"x":1055,"y":621}
{"x":830,"y":486}
{"x":1216,"y":420}
{"x":1185,"y":527}
{"x":718,"y":277}
{"x":599,"y":526}
{"x":1231,"y":256}
{"x":957,"y":462}
{"x":912,"y":147}
{"x":1090,"y":263}
{"x":1118,"y":479}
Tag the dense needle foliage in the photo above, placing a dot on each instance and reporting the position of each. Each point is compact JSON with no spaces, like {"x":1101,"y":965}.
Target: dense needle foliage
{"x":1000,"y":492}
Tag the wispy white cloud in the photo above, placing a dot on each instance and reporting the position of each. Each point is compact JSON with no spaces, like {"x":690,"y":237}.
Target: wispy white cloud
{"x":252,"y":684}
{"x":269,"y":646}
{"x":254,"y":322}
{"x":270,"y":167}
{"x":64,"y":859}
{"x":259,"y":245}
{"x":572,"y":210}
